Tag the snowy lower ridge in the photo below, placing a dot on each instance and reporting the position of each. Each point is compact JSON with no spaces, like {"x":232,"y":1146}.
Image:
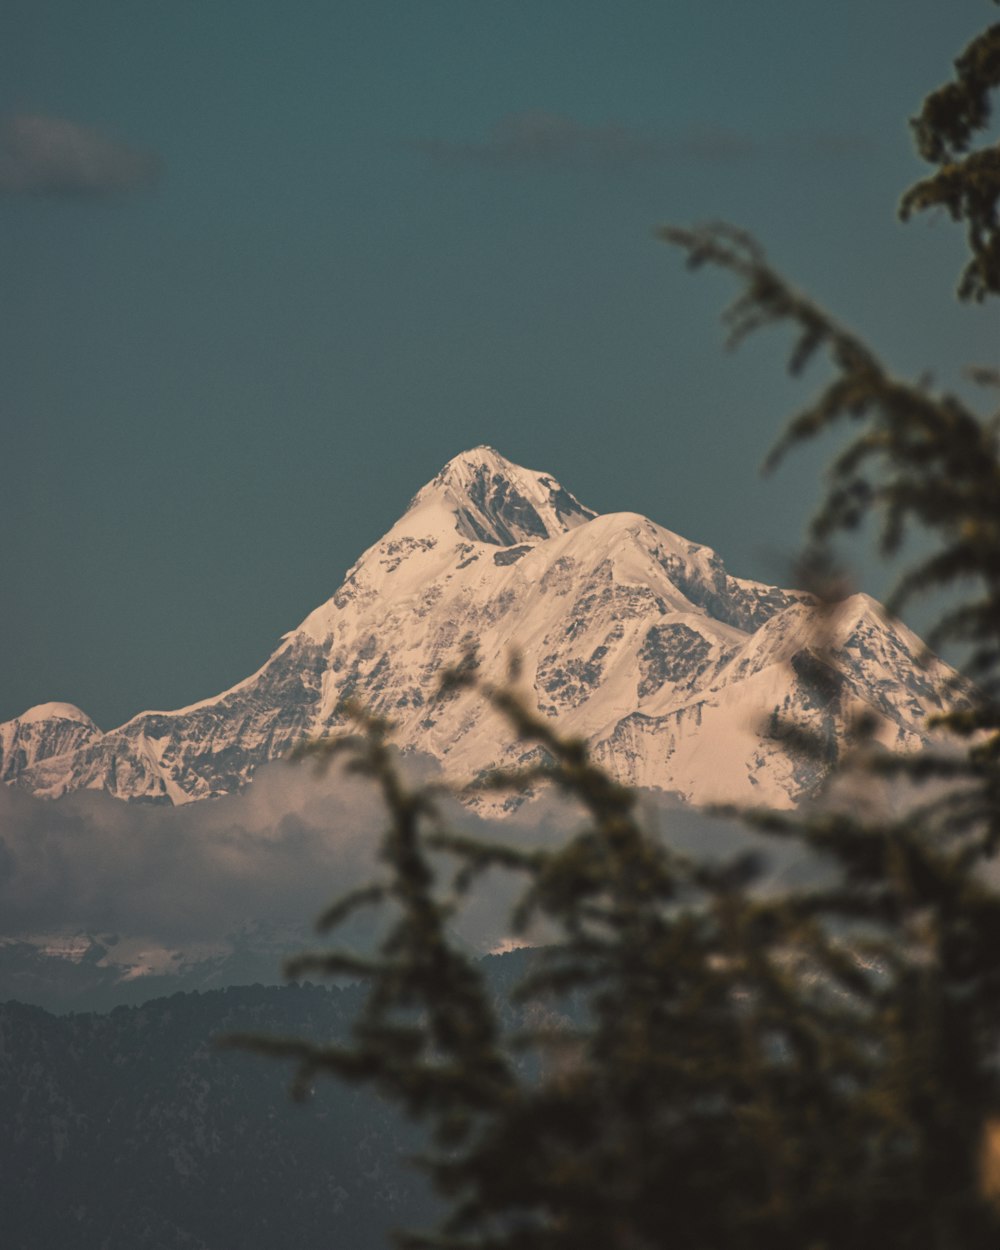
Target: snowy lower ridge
{"x":680,"y":677}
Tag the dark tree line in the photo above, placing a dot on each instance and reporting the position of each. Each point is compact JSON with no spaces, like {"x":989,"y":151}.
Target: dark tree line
{"x":690,"y":1062}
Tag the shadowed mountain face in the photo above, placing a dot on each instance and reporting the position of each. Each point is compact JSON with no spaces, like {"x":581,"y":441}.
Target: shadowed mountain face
{"x":677,"y":674}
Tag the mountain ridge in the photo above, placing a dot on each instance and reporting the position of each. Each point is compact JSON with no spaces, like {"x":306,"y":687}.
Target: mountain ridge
{"x":674,"y":671}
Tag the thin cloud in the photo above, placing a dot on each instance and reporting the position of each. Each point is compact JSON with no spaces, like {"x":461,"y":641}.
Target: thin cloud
{"x":538,"y":138}
{"x":543,"y":139}
{"x":104,"y":902}
{"x":275,"y":853}
{"x":829,"y":145}
{"x":53,"y":156}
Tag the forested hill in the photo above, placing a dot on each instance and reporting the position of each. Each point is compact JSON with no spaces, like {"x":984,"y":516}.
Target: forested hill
{"x":132,"y":1129}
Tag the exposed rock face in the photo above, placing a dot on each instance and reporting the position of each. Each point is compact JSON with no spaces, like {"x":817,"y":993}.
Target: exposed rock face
{"x":50,"y":729}
{"x":679,"y":675}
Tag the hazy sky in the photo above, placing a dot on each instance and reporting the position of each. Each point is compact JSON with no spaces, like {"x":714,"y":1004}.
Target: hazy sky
{"x":267,"y":266}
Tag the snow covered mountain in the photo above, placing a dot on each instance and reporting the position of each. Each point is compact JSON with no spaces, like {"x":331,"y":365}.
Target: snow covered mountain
{"x":46,"y":730}
{"x":679,"y":675}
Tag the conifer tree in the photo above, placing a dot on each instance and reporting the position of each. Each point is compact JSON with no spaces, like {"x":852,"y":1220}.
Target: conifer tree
{"x":688,"y":1061}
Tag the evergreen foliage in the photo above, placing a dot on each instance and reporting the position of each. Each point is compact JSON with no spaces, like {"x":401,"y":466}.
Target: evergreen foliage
{"x":967,"y":183}
{"x":697,"y":1064}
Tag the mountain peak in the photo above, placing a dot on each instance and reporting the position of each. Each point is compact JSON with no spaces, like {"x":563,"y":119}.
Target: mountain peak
{"x":634,"y":640}
{"x":492,"y":500}
{"x":54,"y":711}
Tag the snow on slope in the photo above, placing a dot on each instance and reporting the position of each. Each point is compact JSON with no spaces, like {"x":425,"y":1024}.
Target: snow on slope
{"x":678,"y":675}
{"x":49,"y":729}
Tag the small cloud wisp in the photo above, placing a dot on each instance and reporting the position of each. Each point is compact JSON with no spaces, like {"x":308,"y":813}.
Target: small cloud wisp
{"x":540,"y":139}
{"x":53,"y":156}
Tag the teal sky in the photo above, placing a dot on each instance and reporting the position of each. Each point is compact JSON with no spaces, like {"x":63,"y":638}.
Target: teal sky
{"x":267,"y":266}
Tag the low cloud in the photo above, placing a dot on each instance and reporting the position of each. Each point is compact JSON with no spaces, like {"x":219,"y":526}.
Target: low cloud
{"x":181,"y":877}
{"x":277,"y":854}
{"x":544,"y":139}
{"x":53,"y":156}
{"x":104,"y":902}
